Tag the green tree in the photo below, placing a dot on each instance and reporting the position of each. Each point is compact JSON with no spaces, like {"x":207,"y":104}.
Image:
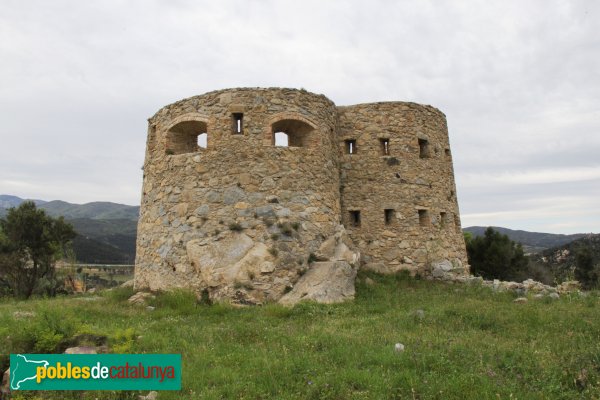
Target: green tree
{"x":585,"y":272}
{"x":30,"y":244}
{"x":495,"y":256}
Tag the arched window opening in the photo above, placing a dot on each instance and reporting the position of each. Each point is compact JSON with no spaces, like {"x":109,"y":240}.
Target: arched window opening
{"x":186,"y":137}
{"x":281,"y":139}
{"x":299,"y":133}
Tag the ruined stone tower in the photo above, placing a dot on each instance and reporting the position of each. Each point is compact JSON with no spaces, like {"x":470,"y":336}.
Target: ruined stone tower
{"x":244,"y":190}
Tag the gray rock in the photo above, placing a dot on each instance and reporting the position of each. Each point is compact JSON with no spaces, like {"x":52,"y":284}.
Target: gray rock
{"x":325,"y":282}
{"x":81,"y":350}
{"x":554,"y":296}
{"x":265,"y":211}
{"x":140,"y":298}
{"x":202,"y":210}
{"x":520,"y":300}
{"x":213,"y":197}
{"x":233,"y":194}
{"x":153,"y":395}
{"x":399,"y":348}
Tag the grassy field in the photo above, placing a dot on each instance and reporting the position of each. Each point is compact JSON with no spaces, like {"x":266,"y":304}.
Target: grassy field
{"x":465,"y":343}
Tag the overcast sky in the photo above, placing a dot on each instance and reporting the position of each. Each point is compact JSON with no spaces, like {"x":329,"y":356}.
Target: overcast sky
{"x":519,"y":82}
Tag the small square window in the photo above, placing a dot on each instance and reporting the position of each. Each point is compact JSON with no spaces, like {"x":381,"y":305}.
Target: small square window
{"x":388,"y":216}
{"x":355,"y":218}
{"x":385,"y":147}
{"x":238,"y":123}
{"x":424,"y":218}
{"x":350,"y":146}
{"x":447,"y":153}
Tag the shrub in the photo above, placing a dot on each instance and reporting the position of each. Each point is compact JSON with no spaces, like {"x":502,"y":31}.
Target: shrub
{"x":236,"y":227}
{"x":495,"y":256}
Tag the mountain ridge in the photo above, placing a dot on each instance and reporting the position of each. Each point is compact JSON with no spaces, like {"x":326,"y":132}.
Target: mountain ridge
{"x":531,"y":241}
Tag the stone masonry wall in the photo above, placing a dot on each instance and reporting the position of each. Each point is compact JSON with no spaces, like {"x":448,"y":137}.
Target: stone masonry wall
{"x":242,"y":219}
{"x":411,"y":177}
{"x":241,"y":195}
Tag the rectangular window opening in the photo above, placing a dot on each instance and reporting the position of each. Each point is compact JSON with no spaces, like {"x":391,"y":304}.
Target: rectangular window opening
{"x":238,"y":126}
{"x":388,"y":216}
{"x":355,"y":218}
{"x":350,"y":146}
{"x":443,"y":219}
{"x":423,"y":217}
{"x":423,"y":148}
{"x":385,"y":147}
{"x":447,"y":152}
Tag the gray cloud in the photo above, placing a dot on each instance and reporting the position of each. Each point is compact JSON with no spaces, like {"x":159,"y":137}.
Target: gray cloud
{"x":518,"y":80}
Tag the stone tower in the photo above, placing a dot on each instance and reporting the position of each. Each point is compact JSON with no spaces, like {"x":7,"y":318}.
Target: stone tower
{"x":245,"y":190}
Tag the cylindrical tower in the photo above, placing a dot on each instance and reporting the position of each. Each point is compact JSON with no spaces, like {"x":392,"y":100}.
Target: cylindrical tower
{"x":398,"y":194}
{"x":240,"y":187}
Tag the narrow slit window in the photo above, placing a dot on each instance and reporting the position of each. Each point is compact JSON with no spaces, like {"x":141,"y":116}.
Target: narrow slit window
{"x":355,"y":218}
{"x":423,"y":217}
{"x":385,"y":147}
{"x":443,"y":219}
{"x":423,"y":148}
{"x":388,"y":216}
{"x":238,"y":123}
{"x":350,"y":146}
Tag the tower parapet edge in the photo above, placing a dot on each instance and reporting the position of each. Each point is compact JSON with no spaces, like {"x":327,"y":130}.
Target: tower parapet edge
{"x":227,"y":210}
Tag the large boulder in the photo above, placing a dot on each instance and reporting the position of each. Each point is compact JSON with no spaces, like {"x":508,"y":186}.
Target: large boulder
{"x":230,"y":263}
{"x":324,"y":282}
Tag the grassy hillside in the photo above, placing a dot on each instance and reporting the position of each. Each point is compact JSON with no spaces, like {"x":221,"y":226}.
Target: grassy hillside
{"x":95,"y":210}
{"x":461,"y":343}
{"x":561,"y":260}
{"x":105,"y":241}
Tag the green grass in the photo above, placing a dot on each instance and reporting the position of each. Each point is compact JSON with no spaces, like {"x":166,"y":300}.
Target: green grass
{"x":470,"y":343}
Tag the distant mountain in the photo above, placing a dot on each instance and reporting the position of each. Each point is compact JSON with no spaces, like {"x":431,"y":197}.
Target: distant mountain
{"x":95,"y":210}
{"x":8,"y":201}
{"x":531,"y":241}
{"x":106,"y":232}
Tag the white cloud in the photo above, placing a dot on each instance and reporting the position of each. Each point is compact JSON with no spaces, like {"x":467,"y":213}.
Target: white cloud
{"x":519,"y":81}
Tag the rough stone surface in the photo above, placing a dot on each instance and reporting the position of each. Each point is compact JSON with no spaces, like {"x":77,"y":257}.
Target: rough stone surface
{"x":324,"y":282}
{"x":288,"y":202}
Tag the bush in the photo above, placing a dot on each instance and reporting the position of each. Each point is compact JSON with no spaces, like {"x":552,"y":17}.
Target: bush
{"x":495,"y":256}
